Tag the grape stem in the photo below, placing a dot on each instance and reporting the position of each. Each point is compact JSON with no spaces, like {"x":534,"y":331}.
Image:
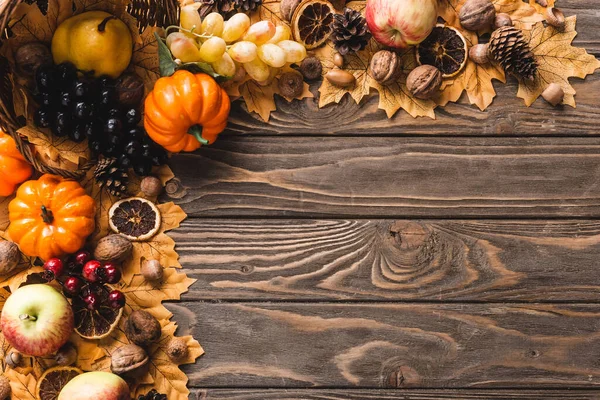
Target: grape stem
{"x":190,"y":31}
{"x":196,"y":131}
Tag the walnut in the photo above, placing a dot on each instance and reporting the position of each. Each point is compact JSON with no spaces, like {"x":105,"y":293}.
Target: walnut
{"x":115,"y":248}
{"x":129,"y":360}
{"x":142,"y":328}
{"x":477,"y":14}
{"x":9,"y":257}
{"x":177,"y":349}
{"x":424,"y":82}
{"x":386,"y":67}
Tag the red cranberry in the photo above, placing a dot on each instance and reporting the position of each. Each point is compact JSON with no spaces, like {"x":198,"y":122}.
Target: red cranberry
{"x":72,"y":286}
{"x":116,"y":299}
{"x":92,"y":301}
{"x":110,"y":273}
{"x":53,"y":268}
{"x":81,"y":258}
{"x":90,"y":271}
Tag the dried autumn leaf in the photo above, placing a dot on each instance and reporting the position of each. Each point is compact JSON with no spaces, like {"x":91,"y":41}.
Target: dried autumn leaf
{"x":168,"y":378}
{"x":144,"y":60}
{"x":88,"y":352}
{"x":268,"y":11}
{"x":62,"y":151}
{"x":259,"y":99}
{"x":521,"y":13}
{"x":539,"y":8}
{"x":22,"y":386}
{"x":557,"y":60}
{"x":4,"y":221}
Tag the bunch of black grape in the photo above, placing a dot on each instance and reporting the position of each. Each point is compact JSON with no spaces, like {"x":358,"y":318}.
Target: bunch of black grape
{"x":79,"y":107}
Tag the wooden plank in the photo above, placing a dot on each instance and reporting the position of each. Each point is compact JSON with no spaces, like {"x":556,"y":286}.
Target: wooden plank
{"x":425,"y":346}
{"x":391,"y":260}
{"x":507,"y":115}
{"x":393,"y":394}
{"x":392,"y":177}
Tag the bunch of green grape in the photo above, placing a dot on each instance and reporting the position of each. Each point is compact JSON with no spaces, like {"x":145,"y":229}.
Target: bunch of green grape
{"x":262,"y":48}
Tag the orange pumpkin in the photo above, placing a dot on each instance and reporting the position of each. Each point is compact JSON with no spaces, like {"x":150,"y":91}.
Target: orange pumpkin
{"x":185,"y":111}
{"x":14,"y":169}
{"x":51,"y":217}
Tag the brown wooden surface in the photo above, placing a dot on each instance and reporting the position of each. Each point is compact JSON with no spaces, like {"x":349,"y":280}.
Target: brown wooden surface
{"x":341,"y":255}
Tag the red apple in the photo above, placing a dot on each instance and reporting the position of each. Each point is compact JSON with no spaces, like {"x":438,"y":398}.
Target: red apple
{"x":95,"y":385}
{"x":401,"y":23}
{"x":37,"y":320}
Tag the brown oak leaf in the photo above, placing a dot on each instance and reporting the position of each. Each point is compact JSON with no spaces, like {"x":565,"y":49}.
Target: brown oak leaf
{"x":557,"y":60}
{"x":268,"y":11}
{"x":144,"y":61}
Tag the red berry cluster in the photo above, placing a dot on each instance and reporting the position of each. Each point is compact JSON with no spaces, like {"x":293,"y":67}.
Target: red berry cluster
{"x":79,"y":273}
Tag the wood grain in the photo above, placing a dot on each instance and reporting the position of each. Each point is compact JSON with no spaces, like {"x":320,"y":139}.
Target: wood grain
{"x":393,"y":394}
{"x":391,"y":260}
{"x":392,"y":177}
{"x":426,"y":346}
{"x":506,"y":116}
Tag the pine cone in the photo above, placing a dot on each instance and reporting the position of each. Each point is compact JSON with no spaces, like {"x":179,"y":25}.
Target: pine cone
{"x":110,"y":175}
{"x":152,"y":395}
{"x":350,"y":32}
{"x":509,"y":48}
{"x":224,"y":7}
{"x":247,"y":5}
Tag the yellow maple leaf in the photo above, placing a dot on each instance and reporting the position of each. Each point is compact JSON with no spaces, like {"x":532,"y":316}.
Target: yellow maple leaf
{"x":88,"y":352}
{"x":168,"y":378}
{"x":60,"y":150}
{"x":557,"y":60}
{"x":22,"y":385}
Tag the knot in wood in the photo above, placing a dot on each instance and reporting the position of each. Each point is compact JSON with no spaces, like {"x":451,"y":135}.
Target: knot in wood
{"x":408,"y":235}
{"x":403,"y":376}
{"x":175,"y":189}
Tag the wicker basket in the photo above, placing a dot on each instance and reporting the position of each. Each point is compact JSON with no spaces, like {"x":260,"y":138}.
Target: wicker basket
{"x":147,"y":12}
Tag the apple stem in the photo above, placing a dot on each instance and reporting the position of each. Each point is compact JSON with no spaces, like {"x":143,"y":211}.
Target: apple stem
{"x":27,"y":317}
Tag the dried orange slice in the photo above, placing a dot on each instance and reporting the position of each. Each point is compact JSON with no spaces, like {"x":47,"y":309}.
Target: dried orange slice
{"x":135,"y":218}
{"x":99,"y":323}
{"x":53,"y":380}
{"x":312,"y":23}
{"x":446,"y":49}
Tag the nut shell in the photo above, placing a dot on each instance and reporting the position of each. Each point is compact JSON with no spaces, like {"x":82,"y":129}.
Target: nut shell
{"x":13,"y":359}
{"x":338,"y":60}
{"x":291,"y":84}
{"x":152,"y":271}
{"x":311,"y":68}
{"x":424,"y":82}
{"x":554,"y":94}
{"x":151,"y":186}
{"x":386,"y":67}
{"x":31,"y":56}
{"x":477,"y":14}
{"x":555,"y":17}
{"x":4,"y":388}
{"x":142,"y":328}
{"x":287,"y":8}
{"x":341,"y":78}
{"x":502,"y":19}
{"x":114,"y":248}
{"x":177,"y":349}
{"x":9,"y":257}
{"x":479,"y":54}
{"x":130,"y":360}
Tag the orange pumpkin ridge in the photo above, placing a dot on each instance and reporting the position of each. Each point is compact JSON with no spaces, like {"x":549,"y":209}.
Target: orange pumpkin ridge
{"x":14,"y":169}
{"x":186,"y":111}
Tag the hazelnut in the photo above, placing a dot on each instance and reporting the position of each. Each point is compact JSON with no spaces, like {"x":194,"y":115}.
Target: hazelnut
{"x":287,"y":8}
{"x":151,"y":186}
{"x":424,"y":82}
{"x":129,"y":360}
{"x":130,"y":90}
{"x":479,"y":54}
{"x":291,"y":84}
{"x":311,"y":68}
{"x":142,"y":328}
{"x":477,"y":14}
{"x":152,"y":271}
{"x":9,"y":257}
{"x":177,"y":349}
{"x":114,"y":248}
{"x":66,"y":355}
{"x":4,"y":388}
{"x":554,"y":94}
{"x":31,"y":56}
{"x":502,"y":19}
{"x":338,"y":60}
{"x":13,"y":358}
{"x":341,"y":78}
{"x":386,"y":67}
{"x":555,"y":17}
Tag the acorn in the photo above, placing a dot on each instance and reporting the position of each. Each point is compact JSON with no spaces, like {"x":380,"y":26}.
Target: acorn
{"x":479,"y":54}
{"x":554,"y":94}
{"x":152,"y":271}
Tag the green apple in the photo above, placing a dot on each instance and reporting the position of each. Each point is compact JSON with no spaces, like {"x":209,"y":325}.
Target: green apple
{"x":95,"y":385}
{"x":37,"y":320}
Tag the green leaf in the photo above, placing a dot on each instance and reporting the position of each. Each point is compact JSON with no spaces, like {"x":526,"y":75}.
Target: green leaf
{"x":167,"y":65}
{"x":201,"y":67}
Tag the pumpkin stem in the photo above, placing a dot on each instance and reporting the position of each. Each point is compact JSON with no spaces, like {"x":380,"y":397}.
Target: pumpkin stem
{"x":196,"y":131}
{"x":102,"y":26}
{"x":47,"y":215}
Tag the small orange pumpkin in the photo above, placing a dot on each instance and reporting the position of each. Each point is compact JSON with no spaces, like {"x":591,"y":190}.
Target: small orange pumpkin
{"x":14,"y":169}
{"x":51,"y":217}
{"x":186,"y":110}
